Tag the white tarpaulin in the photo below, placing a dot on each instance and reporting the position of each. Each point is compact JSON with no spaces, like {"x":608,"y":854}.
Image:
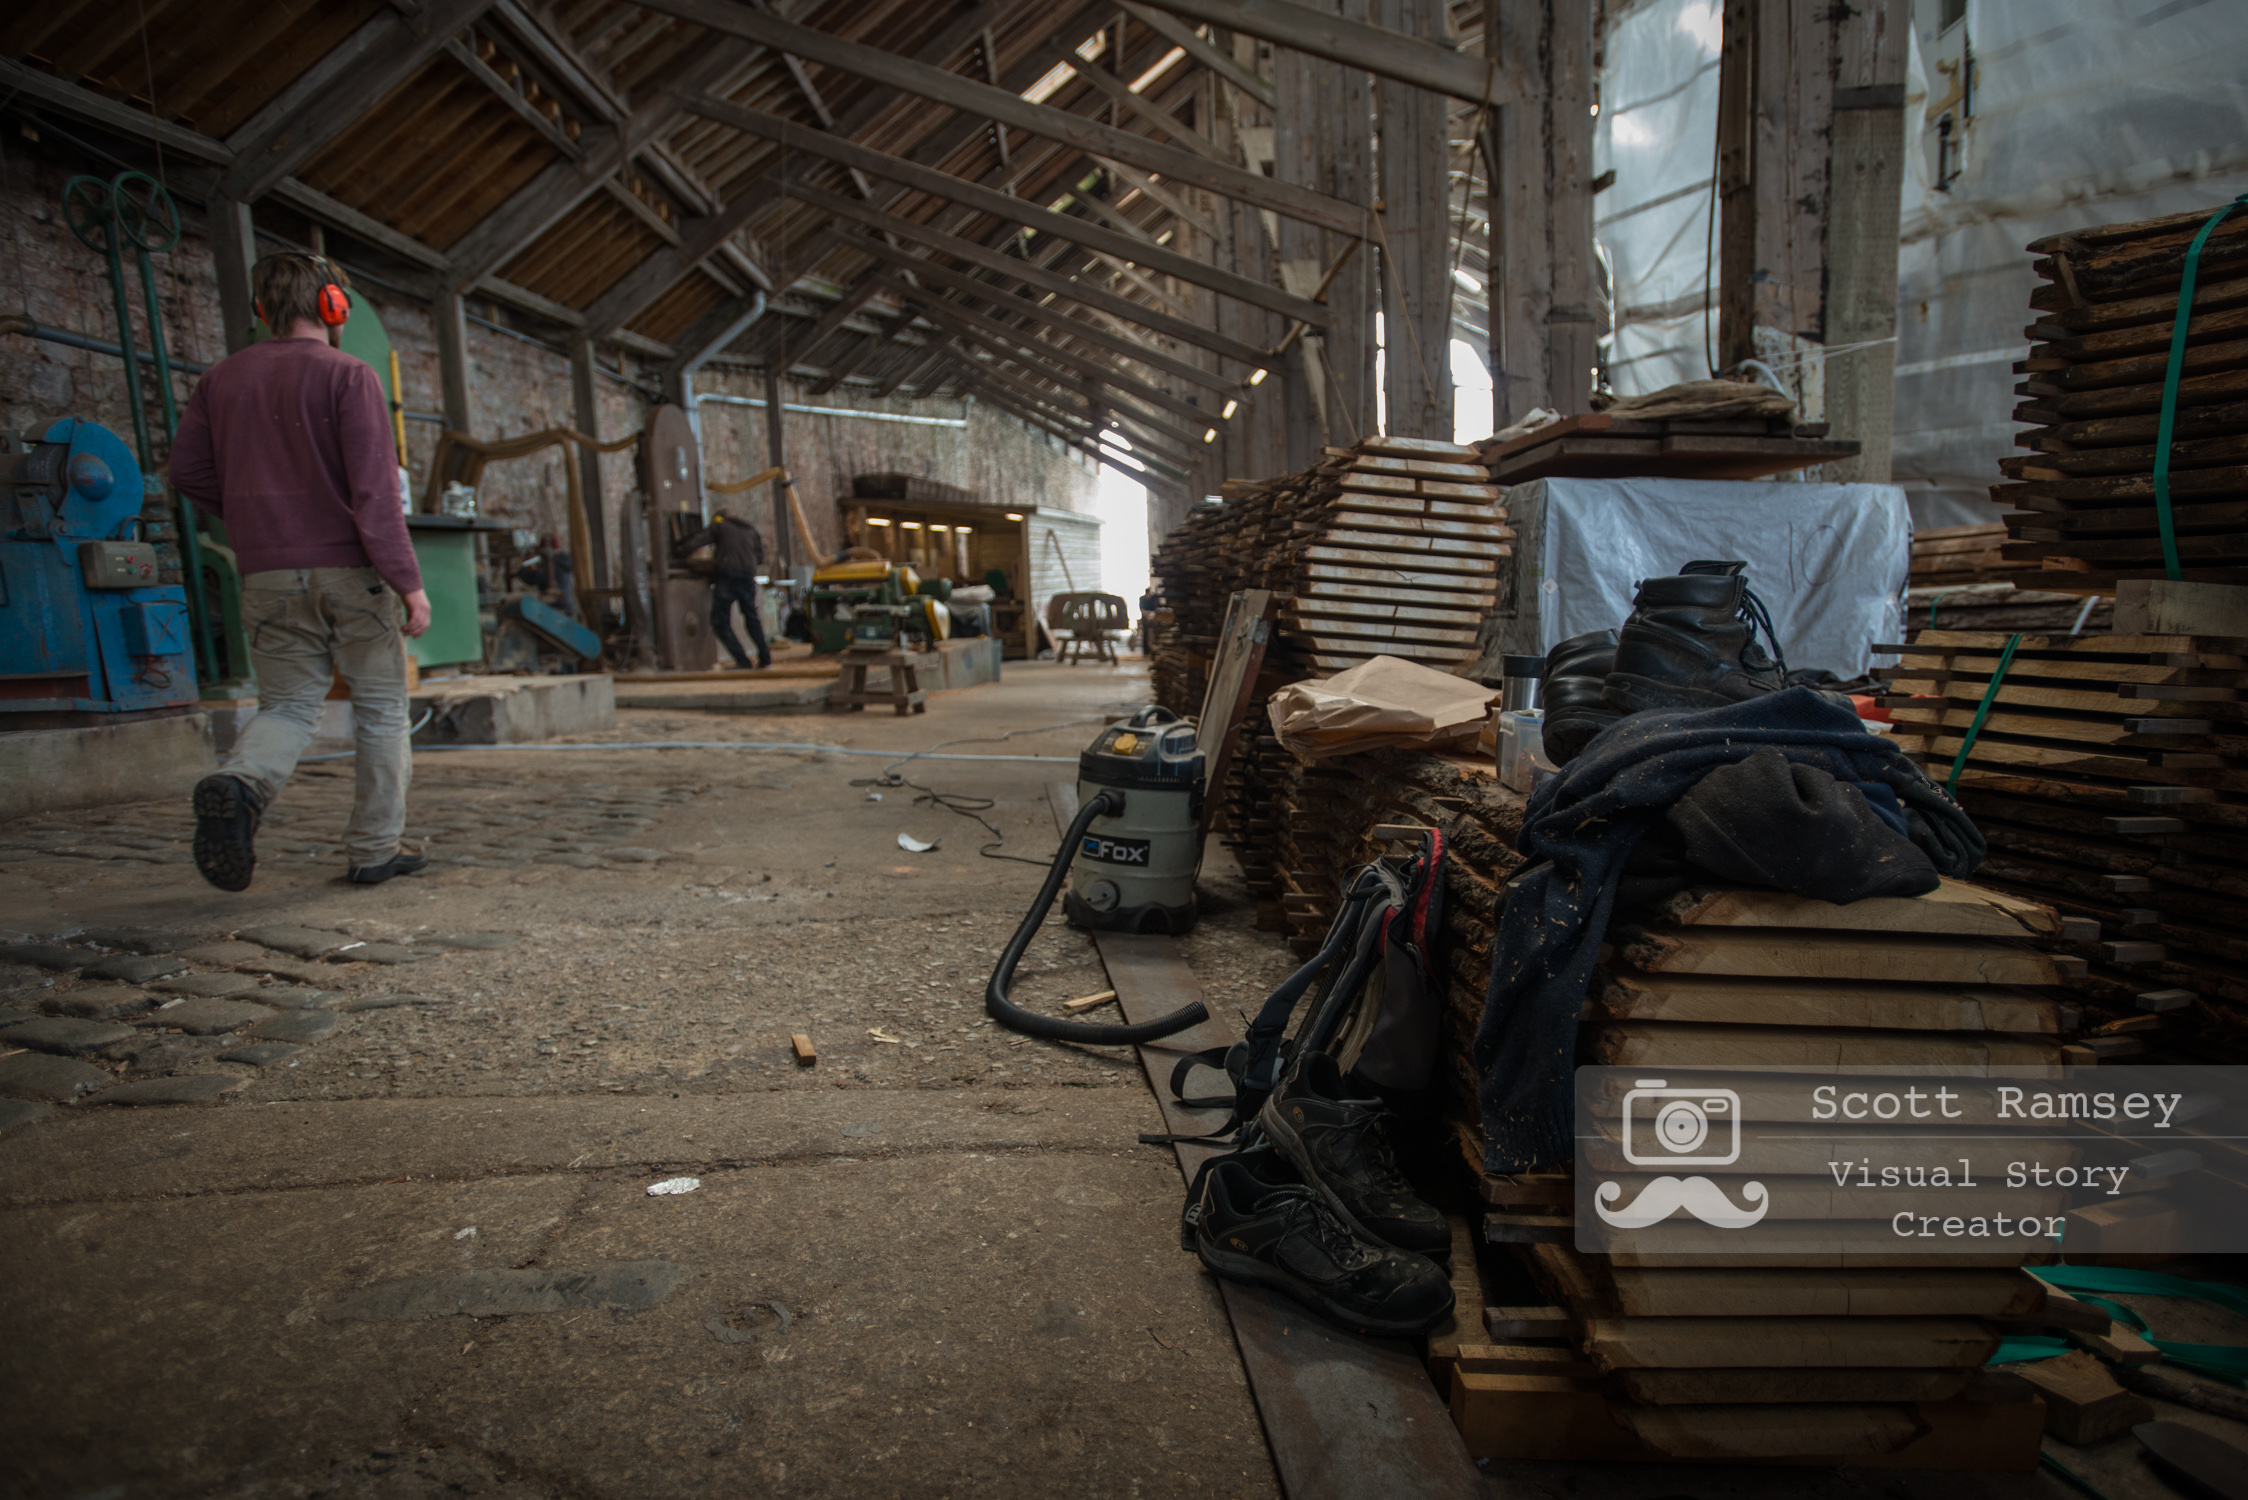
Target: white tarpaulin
{"x":1828,"y":560}
{"x":2094,"y":112}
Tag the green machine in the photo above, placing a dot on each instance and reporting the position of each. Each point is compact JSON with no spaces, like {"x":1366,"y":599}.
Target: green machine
{"x":874,"y":606}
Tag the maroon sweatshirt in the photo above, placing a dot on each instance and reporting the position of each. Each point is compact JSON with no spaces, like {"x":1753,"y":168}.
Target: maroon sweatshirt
{"x":289,"y":443}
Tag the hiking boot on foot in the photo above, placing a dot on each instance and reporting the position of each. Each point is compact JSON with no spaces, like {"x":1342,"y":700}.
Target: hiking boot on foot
{"x":1336,"y":1144}
{"x":227,"y":811}
{"x":397,"y":864}
{"x":1691,"y":643}
{"x":1258,"y":1227}
{"x":1576,"y":672}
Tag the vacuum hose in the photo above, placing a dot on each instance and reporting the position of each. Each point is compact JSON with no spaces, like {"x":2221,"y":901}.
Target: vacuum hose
{"x":1091,"y":1033}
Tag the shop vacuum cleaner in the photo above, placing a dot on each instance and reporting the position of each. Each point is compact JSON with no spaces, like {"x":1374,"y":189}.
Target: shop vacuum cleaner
{"x":1129,"y":859}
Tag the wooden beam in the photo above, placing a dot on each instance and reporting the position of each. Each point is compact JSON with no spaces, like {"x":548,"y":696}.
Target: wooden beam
{"x":1543,"y":336}
{"x":316,"y":205}
{"x":508,"y":95}
{"x":585,"y":399}
{"x":123,"y":119}
{"x":1023,"y":348}
{"x":1417,"y":241}
{"x":1120,"y":93}
{"x":1005,"y":303}
{"x":233,"y":252}
{"x":540,"y":203}
{"x":1179,"y":34}
{"x":965,"y":94}
{"x":1355,"y":44}
{"x":1001,"y":206}
{"x":450,"y":316}
{"x":1865,"y":177}
{"x":377,"y":66}
{"x":652,"y":277}
{"x":1171,"y":202}
{"x":784,"y":535}
{"x":1021,"y":270}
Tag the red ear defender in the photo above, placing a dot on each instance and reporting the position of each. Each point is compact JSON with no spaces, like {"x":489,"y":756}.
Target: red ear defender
{"x":333,"y":304}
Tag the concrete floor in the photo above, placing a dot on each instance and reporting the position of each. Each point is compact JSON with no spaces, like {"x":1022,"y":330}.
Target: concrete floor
{"x":418,"y":1256}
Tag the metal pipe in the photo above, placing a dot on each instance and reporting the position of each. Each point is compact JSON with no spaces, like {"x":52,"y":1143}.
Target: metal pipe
{"x":40,"y":331}
{"x":837,"y":411}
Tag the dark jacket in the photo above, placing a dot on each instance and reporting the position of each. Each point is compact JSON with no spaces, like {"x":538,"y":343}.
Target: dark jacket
{"x":741,"y":550}
{"x":1583,"y":826}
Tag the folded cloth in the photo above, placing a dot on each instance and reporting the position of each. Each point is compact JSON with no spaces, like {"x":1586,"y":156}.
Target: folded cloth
{"x":1778,"y":824}
{"x":1583,"y":826}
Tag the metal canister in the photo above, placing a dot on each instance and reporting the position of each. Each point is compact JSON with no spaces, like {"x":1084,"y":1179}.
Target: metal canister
{"x":1522,"y":683}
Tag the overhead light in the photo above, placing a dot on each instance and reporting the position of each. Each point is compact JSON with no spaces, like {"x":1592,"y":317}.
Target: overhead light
{"x":1230,"y":408}
{"x":877,"y":520}
{"x":910,"y":525}
{"x":1256,"y":377}
{"x":937,"y":526}
{"x":1014,"y":515}
{"x":962,"y":530}
{"x":1211,"y":436}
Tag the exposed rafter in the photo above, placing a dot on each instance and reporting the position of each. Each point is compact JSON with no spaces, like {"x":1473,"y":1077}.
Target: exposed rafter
{"x":1354,"y":44}
{"x":1000,"y":206}
{"x":381,"y":55}
{"x":965,"y":94}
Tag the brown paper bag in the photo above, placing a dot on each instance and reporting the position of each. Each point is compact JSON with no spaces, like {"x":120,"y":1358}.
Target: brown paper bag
{"x":1377,"y":704}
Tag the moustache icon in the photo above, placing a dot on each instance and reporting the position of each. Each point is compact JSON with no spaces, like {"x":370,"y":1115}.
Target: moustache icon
{"x":1699,"y":1196}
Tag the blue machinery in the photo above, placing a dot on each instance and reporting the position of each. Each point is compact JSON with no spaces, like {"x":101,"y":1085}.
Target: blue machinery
{"x":85,"y":627}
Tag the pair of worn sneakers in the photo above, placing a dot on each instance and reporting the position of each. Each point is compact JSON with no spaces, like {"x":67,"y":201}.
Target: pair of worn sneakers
{"x":1690,"y":643}
{"x":1320,"y":1213}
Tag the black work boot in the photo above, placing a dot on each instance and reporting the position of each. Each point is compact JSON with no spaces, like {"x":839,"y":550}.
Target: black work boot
{"x":400,"y":863}
{"x":1259,"y":1228}
{"x":1576,"y":672}
{"x":1336,"y":1143}
{"x":1691,"y":643}
{"x":227,"y":812}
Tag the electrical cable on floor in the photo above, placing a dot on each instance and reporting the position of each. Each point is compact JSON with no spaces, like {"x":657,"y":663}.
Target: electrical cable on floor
{"x":968,"y":807}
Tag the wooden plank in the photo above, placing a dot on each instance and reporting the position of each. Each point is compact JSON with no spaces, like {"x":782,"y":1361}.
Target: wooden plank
{"x":1310,"y":605}
{"x":1921,"y":1343}
{"x":1628,"y":1044}
{"x":801,"y":1044}
{"x":1938,"y":1291}
{"x":1425,"y":577}
{"x":1242,"y":640}
{"x":1782,"y":954}
{"x":2083,"y":1403}
{"x":1439,"y":545}
{"x":1347,"y":1417}
{"x":1722,"y":1000}
{"x":1955,"y":907}
{"x":1419,"y":525}
{"x":1789,"y":1387}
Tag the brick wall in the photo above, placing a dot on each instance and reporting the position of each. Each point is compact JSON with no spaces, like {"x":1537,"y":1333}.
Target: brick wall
{"x":516,"y":385}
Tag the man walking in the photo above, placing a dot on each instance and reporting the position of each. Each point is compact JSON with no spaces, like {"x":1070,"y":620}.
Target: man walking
{"x":740,"y":552}
{"x":289,"y":443}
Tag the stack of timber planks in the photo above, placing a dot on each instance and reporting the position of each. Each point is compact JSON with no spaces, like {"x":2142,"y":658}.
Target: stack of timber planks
{"x":1595,"y":446}
{"x":2111,"y":779}
{"x":2082,"y":505}
{"x":1961,"y":582}
{"x":1390,"y":548}
{"x":1866,"y":1358}
{"x":1874,"y":1365}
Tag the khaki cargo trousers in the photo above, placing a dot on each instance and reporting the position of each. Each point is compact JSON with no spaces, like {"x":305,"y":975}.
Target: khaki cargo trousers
{"x":308,"y":626}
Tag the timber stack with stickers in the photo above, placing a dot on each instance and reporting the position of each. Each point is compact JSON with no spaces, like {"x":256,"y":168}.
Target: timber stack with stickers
{"x":1820,"y":1013}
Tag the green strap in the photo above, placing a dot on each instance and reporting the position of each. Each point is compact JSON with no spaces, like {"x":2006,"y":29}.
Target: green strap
{"x":2186,"y":279}
{"x":1982,"y":712}
{"x":2222,"y":1361}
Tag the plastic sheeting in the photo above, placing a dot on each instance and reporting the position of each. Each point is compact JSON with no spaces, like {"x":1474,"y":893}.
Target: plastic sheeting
{"x":1828,"y":560}
{"x":2095,"y":112}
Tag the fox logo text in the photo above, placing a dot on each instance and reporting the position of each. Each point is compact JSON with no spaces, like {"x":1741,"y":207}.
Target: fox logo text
{"x":1115,"y":851}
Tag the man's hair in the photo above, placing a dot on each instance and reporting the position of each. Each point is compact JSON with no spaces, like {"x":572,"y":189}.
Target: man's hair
{"x":287,"y":288}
